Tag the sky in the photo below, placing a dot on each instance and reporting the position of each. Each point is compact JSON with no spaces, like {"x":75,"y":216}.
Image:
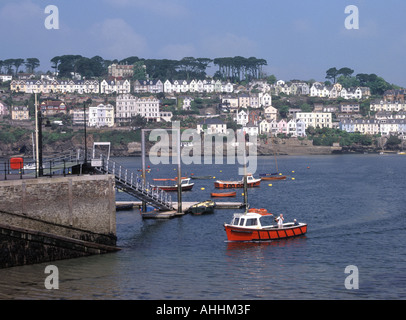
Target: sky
{"x":299,"y":39}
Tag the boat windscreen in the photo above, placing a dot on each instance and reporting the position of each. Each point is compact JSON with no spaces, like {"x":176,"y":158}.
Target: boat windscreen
{"x":267,"y":221}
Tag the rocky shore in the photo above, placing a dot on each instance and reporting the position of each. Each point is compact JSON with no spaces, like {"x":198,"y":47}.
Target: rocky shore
{"x":292,"y":146}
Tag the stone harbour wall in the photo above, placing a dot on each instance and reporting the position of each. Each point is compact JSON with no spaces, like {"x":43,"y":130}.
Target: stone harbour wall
{"x":55,"y":218}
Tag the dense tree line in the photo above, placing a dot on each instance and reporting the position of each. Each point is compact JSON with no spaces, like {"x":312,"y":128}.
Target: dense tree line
{"x":7,"y":65}
{"x":345,"y":77}
{"x":229,"y":68}
{"x":239,"y":68}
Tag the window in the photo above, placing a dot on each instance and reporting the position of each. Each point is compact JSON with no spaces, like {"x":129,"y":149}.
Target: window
{"x":252,"y":222}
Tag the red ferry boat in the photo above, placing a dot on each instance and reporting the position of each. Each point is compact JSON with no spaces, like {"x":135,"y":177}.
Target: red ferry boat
{"x":251,"y":182}
{"x":259,"y":225}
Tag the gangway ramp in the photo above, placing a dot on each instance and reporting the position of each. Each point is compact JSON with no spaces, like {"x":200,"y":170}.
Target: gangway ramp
{"x":132,"y":184}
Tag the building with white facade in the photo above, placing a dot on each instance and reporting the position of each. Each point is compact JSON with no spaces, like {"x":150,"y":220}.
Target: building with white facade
{"x":212,"y":126}
{"x":128,"y":106}
{"x":115,"y":86}
{"x":241,"y":117}
{"x":101,"y":116}
{"x":315,"y":119}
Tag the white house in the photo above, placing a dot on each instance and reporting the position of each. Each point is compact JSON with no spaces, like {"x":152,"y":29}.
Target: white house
{"x":271,"y":113}
{"x":212,"y":126}
{"x":264,"y":127}
{"x":101,"y":116}
{"x":230,"y":101}
{"x":5,"y":77}
{"x":265,"y":99}
{"x":241,"y":117}
{"x":351,"y":93}
{"x":115,"y":86}
{"x":296,"y":128}
{"x":3,"y":110}
{"x":250,"y":129}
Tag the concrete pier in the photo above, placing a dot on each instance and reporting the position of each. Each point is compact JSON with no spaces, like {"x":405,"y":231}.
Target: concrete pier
{"x":155,"y":214}
{"x":48,"y":219}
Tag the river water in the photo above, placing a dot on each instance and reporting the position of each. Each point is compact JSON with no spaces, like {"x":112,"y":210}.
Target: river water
{"x":354,"y":205}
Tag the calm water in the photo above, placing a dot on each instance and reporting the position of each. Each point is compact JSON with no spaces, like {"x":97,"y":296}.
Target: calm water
{"x":354,"y":205}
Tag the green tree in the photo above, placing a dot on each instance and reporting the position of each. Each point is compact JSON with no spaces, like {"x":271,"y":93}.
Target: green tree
{"x":17,"y":64}
{"x":305,"y":107}
{"x":332,"y":74}
{"x":8,"y":64}
{"x":31,"y":64}
{"x":392,"y":142}
{"x":346,"y":72}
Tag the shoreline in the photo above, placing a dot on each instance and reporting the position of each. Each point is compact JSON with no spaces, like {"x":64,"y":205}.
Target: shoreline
{"x":281,"y":147}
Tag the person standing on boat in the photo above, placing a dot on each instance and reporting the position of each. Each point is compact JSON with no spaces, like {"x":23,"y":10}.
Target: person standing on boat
{"x":280,"y":221}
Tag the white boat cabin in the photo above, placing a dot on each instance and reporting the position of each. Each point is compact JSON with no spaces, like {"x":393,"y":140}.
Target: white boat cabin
{"x":253,"y":220}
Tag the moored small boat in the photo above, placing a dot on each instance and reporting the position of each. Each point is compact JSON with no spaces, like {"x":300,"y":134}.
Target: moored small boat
{"x":259,"y":225}
{"x":272,"y":176}
{"x":202,"y":207}
{"x":224,"y":194}
{"x":251,"y":182}
{"x":185,"y":185}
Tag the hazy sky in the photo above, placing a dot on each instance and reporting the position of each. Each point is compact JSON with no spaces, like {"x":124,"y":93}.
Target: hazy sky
{"x":300,"y":39}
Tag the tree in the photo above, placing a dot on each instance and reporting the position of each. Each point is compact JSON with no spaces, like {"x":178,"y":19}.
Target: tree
{"x":332,"y":74}
{"x":271,"y":79}
{"x":346,"y":72}
{"x":17,"y":63}
{"x":393,"y":142}
{"x":67,"y":64}
{"x":31,"y":64}
{"x":239,"y":68}
{"x":305,"y":107}
{"x":348,"y":82}
{"x":55,"y":60}
{"x":138,"y":121}
{"x":139,"y":70}
{"x":8,"y":63}
{"x":377,"y":84}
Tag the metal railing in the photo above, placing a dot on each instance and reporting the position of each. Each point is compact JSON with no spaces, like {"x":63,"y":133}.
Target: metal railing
{"x":61,"y":165}
{"x":132,"y":183}
{"x":20,"y":169}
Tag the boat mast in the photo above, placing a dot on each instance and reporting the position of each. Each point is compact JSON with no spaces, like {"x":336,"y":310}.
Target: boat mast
{"x":274,"y":153}
{"x":245,"y":182}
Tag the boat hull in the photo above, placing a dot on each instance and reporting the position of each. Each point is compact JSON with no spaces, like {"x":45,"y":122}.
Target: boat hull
{"x":202,"y":207}
{"x":226,"y":194}
{"x":249,"y":234}
{"x":235,"y":184}
{"x":173,"y":188}
{"x":273,"y":178}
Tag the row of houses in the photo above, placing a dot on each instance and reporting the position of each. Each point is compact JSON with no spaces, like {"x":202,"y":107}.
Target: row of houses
{"x":245,"y":100}
{"x":385,"y":127}
{"x":180,"y":86}
{"x":319,"y":89}
{"x":100,"y":115}
{"x":183,"y":86}
{"x":335,"y":91}
{"x":294,"y":128}
{"x":388,"y":106}
{"x":71,"y":86}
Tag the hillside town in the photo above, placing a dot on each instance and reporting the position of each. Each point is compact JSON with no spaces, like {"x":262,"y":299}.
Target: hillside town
{"x":259,"y":107}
